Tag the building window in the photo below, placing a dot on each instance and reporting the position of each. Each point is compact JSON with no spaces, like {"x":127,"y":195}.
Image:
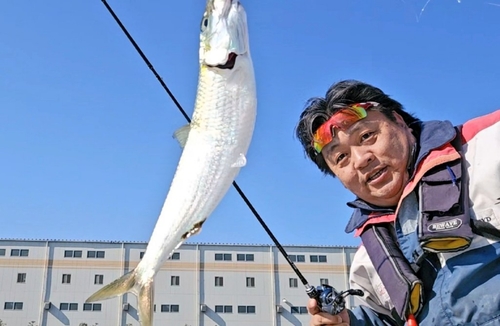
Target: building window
{"x":298,"y":310}
{"x":66,"y":278}
{"x":224,"y":309}
{"x":92,"y":307}
{"x":141,"y":254}
{"x":293,"y":282}
{"x":175,"y":256}
{"x":225,"y":257}
{"x":244,"y":257}
{"x":95,"y":254}
{"x":246,"y":309}
{"x":250,"y":282}
{"x":19,"y":252}
{"x":72,"y":254}
{"x":175,"y":280}
{"x":323,"y":281}
{"x":21,"y":278}
{"x":13,"y":306}
{"x":317,"y":258}
{"x":169,"y":308}
{"x":68,"y":306}
{"x":2,"y":252}
{"x":297,"y":258}
{"x":219,"y":281}
{"x":98,"y":279}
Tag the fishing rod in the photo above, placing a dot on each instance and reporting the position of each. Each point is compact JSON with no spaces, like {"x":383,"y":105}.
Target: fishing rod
{"x":327,"y":297}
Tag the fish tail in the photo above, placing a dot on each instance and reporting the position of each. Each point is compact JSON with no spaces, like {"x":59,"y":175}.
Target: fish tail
{"x":129,"y":283}
{"x":145,"y":304}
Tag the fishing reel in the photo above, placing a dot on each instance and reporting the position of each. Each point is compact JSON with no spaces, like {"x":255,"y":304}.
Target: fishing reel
{"x":329,"y":300}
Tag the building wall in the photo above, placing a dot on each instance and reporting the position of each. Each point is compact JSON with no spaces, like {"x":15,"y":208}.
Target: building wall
{"x":255,"y":284}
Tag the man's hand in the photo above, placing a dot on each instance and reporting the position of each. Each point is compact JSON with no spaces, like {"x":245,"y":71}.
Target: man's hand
{"x":320,"y":318}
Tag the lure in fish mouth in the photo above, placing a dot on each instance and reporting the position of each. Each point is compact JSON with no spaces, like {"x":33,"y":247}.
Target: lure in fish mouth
{"x":231,"y":61}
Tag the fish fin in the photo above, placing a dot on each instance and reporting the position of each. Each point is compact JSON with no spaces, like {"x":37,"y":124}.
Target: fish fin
{"x":129,"y":283}
{"x":118,"y":287}
{"x":241,"y":161}
{"x":182,"y":134}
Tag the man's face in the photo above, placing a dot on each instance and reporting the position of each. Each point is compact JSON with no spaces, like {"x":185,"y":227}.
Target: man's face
{"x":371,"y":156}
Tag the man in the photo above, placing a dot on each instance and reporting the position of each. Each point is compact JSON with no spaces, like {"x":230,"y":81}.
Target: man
{"x":427,"y":208}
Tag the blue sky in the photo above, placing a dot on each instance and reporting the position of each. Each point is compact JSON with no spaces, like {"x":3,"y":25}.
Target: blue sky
{"x":86,"y":130}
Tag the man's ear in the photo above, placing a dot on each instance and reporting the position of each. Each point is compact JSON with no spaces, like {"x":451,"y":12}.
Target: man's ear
{"x":401,"y":122}
{"x":399,"y":119}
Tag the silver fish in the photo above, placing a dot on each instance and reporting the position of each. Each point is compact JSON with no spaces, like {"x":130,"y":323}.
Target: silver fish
{"x":215,"y":144}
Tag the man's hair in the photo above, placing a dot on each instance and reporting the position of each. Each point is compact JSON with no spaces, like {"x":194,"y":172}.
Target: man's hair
{"x":339,"y":95}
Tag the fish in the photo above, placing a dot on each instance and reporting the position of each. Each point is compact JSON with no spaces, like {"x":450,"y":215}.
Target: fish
{"x":215,"y":144}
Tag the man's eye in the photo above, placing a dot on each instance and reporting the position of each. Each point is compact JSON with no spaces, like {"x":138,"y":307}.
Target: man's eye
{"x":339,"y":158}
{"x":366,"y":136}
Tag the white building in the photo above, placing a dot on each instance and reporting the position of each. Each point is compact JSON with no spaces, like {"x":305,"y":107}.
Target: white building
{"x":46,"y":283}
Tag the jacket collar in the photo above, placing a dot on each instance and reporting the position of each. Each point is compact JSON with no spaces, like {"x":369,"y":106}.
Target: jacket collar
{"x":430,"y":135}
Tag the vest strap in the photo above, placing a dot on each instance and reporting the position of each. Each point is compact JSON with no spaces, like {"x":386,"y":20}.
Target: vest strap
{"x":403,"y":287}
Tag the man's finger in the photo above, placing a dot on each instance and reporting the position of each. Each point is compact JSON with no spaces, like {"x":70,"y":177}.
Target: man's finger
{"x":312,"y":307}
{"x":326,"y":319}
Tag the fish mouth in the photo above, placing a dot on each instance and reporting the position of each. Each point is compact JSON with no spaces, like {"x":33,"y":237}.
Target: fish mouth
{"x":231,"y":61}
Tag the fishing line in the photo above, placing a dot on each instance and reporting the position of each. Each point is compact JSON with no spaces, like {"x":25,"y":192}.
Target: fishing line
{"x":235,"y":185}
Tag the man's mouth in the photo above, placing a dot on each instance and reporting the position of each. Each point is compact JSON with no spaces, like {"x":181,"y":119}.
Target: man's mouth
{"x":376,"y":175}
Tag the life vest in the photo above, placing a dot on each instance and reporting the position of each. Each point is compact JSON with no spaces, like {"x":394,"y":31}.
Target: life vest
{"x":433,"y":216}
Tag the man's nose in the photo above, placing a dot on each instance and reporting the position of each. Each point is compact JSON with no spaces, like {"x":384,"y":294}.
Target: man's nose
{"x":361,"y":157}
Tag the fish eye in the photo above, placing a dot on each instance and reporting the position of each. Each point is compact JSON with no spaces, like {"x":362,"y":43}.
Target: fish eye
{"x":204,"y":23}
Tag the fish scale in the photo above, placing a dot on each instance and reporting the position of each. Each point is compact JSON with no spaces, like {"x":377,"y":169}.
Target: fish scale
{"x":214,"y":148}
